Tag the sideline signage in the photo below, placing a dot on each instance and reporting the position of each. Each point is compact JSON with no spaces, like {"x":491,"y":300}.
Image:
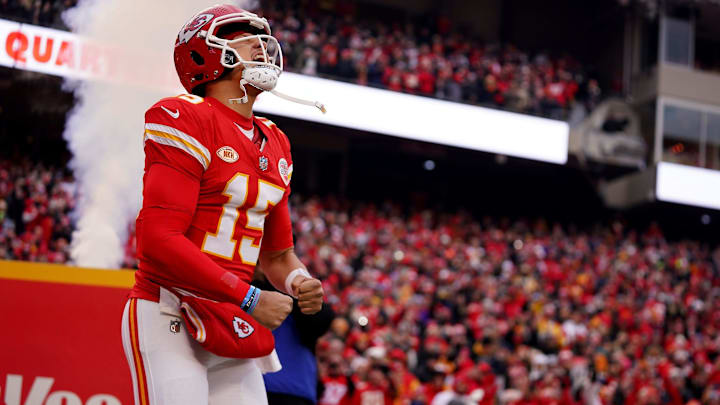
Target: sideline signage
{"x":61,"y":341}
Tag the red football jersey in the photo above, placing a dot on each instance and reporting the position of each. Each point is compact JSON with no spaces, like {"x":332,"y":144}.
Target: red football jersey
{"x":241,"y":207}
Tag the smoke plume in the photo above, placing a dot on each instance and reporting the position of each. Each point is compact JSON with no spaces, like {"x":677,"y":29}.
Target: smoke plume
{"x":104,"y":130}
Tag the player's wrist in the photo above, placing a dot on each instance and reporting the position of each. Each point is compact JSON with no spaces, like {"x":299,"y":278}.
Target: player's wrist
{"x":291,"y":277}
{"x":251,"y":299}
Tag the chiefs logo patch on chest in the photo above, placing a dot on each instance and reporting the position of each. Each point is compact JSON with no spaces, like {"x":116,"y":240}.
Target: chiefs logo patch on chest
{"x":228,"y":154}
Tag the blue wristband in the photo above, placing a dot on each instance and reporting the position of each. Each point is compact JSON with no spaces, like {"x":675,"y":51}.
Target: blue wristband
{"x":251,"y":299}
{"x":254,"y":301}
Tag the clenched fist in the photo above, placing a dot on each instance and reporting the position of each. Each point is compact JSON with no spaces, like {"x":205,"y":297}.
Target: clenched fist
{"x":309,"y":292}
{"x":272,"y":309}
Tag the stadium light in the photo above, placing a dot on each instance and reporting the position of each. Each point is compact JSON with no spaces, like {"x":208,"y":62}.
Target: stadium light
{"x":688,"y":185}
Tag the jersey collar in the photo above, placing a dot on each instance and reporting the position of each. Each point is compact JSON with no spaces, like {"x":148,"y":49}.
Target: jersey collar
{"x":245,"y":124}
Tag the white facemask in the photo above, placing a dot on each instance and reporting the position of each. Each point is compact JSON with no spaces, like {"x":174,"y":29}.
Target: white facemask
{"x":263,"y":71}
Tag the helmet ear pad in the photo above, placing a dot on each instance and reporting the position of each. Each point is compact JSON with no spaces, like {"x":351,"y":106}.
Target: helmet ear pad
{"x":230,"y":58}
{"x":196,"y":65}
{"x":201,"y":89}
{"x":197,"y":58}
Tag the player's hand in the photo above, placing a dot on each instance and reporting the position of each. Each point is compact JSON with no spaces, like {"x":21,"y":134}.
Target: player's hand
{"x":272,"y":309}
{"x":309,"y":292}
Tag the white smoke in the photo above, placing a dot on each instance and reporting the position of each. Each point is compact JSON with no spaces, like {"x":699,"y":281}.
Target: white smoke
{"x":105,"y":128}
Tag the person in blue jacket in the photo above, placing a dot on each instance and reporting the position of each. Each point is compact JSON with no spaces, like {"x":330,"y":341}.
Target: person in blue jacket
{"x":295,"y":340}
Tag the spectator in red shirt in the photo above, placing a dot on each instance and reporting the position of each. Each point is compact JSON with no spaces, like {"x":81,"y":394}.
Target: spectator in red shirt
{"x":335,"y":382}
{"x":376,"y":390}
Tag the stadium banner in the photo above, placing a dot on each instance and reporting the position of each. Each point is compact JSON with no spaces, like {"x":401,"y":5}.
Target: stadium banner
{"x":688,"y":185}
{"x":363,"y":108}
{"x":61,"y":341}
{"x":52,"y":51}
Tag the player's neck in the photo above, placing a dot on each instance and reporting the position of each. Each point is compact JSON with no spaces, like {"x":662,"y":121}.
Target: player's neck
{"x":224,"y":94}
{"x":244,"y":109}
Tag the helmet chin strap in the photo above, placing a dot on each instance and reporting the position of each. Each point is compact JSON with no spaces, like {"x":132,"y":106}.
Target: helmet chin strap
{"x":244,"y":98}
{"x":320,"y":106}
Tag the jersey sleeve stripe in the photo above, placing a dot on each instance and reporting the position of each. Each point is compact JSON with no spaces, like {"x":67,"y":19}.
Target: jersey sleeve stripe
{"x":182,"y":135}
{"x":199,"y":334}
{"x":266,"y":122}
{"x":172,"y":140}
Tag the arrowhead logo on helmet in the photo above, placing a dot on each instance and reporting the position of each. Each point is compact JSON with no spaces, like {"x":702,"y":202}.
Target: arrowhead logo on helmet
{"x":193,"y":27}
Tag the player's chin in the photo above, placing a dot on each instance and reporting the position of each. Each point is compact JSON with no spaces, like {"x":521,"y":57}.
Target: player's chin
{"x":253,"y":91}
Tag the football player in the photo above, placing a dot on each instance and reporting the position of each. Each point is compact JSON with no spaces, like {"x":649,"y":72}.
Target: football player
{"x":215,"y":189}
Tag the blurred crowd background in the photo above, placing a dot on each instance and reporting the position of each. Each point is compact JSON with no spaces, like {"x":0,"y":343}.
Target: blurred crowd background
{"x":428,"y":57}
{"x":35,"y":206}
{"x":439,"y":306}
{"x":39,"y":12}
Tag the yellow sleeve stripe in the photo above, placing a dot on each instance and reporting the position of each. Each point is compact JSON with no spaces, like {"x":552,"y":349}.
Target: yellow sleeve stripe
{"x":171,"y":140}
{"x":266,"y":121}
{"x":181,"y":141}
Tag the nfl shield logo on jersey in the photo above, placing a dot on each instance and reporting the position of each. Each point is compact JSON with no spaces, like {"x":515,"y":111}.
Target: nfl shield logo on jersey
{"x":263,"y":163}
{"x":242,"y":328}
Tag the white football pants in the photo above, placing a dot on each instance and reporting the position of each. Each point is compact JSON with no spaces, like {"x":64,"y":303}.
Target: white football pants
{"x":168,"y":367}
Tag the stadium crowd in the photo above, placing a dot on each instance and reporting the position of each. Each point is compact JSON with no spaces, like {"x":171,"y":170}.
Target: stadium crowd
{"x":429,"y":58}
{"x":40,"y":12}
{"x":438,"y":308}
{"x":35,"y":206}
